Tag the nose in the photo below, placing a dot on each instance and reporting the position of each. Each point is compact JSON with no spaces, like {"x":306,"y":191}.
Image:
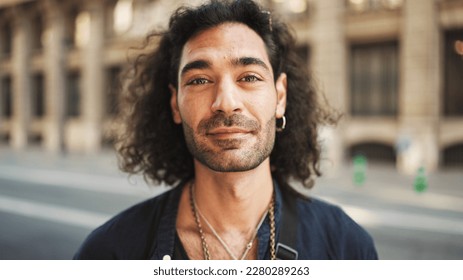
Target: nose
{"x":227,"y":98}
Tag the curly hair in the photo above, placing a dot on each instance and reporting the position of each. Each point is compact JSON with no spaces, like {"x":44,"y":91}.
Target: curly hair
{"x":152,"y":144}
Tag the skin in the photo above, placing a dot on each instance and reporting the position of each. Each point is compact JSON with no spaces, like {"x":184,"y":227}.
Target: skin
{"x":227,"y":101}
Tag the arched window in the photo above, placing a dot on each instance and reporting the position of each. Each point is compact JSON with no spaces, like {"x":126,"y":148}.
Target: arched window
{"x":374,"y":152}
{"x":453,"y":78}
{"x":453,"y":156}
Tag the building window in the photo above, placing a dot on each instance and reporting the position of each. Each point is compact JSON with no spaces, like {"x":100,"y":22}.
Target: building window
{"x":374,"y":152}
{"x":71,"y":27}
{"x":6,"y":39}
{"x":291,"y":9}
{"x":82,"y":29}
{"x":374,"y":79}
{"x":37,"y":32}
{"x":453,"y":156}
{"x":113,"y":88}
{"x":73,"y":95}
{"x":122,"y":16}
{"x":453,"y":80}
{"x":373,"y":5}
{"x":6,"y":98}
{"x":38,"y":96}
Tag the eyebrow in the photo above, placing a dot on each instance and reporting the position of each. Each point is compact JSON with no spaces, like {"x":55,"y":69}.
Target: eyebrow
{"x":197,"y":64}
{"x":244,"y":61}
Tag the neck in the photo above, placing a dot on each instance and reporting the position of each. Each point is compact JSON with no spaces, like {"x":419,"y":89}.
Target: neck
{"x":233,"y":200}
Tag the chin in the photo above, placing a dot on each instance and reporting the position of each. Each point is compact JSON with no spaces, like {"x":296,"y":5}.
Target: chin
{"x":230,"y":163}
{"x":233,"y":168}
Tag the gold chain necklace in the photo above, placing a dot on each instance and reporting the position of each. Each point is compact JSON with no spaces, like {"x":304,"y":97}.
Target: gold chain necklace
{"x":271,"y":217}
{"x":224,"y":244}
{"x":207,"y":256}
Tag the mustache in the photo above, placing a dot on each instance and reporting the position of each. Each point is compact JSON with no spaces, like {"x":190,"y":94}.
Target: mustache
{"x":221,"y":120}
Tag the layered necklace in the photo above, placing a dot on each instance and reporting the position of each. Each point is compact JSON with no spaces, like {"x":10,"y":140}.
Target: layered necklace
{"x":207,"y":256}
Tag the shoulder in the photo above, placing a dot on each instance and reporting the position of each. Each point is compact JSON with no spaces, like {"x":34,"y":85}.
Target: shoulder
{"x":328,"y":213}
{"x":333,"y":229}
{"x":128,"y":234}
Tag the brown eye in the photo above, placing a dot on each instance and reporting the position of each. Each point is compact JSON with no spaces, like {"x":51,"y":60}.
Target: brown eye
{"x":250,"y":79}
{"x":198,"y":81}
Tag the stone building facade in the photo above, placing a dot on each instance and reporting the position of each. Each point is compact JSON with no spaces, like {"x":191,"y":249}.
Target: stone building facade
{"x":394,"y":67}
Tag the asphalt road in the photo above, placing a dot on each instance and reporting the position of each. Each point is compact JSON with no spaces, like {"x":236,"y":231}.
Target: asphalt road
{"x":47,"y":210}
{"x":405,"y":224}
{"x":49,"y":222}
{"x":48,"y":206}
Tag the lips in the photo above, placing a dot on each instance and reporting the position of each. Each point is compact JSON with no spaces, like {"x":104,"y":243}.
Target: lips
{"x":228,"y":133}
{"x":221,"y":128}
{"x":227,"y":130}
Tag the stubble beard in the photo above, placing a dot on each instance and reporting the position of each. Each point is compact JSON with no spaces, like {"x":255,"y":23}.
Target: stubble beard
{"x":231,"y":155}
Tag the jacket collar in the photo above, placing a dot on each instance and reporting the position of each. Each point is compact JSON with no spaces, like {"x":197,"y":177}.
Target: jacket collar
{"x":165,"y":238}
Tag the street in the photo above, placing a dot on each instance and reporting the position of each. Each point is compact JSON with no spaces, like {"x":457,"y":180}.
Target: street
{"x":49,"y":204}
{"x":404,"y":224}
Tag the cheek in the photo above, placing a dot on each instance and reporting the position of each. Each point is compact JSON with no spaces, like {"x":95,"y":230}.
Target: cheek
{"x":192,"y":110}
{"x":264,"y":106}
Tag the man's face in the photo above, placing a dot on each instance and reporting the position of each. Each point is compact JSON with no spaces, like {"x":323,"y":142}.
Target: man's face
{"x":227,"y":100}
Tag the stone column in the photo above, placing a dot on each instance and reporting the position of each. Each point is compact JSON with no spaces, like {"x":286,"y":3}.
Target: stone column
{"x":1,"y":77}
{"x":93,"y":78}
{"x":329,"y":68}
{"x":419,"y":96}
{"x":1,"y":96}
{"x":21,"y":79}
{"x":1,"y":106}
{"x":55,"y":76}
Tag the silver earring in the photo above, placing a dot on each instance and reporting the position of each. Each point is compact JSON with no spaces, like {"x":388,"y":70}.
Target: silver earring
{"x":283,"y":125}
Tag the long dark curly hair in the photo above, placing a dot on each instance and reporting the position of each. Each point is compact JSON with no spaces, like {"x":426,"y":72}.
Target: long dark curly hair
{"x":152,"y":144}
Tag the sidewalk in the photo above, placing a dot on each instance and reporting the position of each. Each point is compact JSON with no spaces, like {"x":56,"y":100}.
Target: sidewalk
{"x":386,"y":188}
{"x":380,"y":179}
{"x":404,"y":223}
{"x":104,"y":162}
{"x":97,"y":172}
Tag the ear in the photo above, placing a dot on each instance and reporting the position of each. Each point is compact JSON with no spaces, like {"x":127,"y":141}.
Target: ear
{"x":281,"y":86}
{"x":174,"y":105}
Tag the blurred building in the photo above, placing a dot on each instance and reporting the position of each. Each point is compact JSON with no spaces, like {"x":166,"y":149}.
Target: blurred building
{"x":395,"y":67}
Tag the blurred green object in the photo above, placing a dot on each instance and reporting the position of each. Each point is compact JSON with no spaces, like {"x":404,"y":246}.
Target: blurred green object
{"x":360,"y":167}
{"x":421,"y":182}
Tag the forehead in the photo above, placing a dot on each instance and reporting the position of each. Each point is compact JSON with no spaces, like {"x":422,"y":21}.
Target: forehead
{"x":224,"y":42}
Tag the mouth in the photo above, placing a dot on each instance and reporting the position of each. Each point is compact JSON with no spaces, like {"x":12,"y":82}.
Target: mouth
{"x":228,"y":132}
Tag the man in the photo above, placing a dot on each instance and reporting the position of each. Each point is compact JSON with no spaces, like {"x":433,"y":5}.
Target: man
{"x":224,"y":108}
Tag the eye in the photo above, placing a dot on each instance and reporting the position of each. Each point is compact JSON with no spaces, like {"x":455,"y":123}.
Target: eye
{"x":250,"y":78}
{"x":197,"y":81}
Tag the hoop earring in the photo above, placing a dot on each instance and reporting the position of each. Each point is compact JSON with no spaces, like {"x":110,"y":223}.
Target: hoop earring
{"x":283,"y":125}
